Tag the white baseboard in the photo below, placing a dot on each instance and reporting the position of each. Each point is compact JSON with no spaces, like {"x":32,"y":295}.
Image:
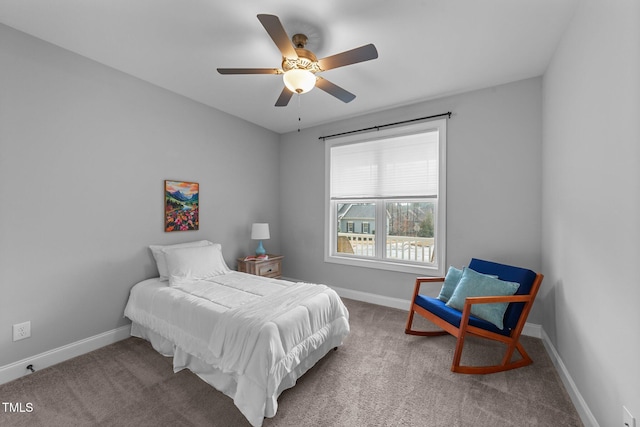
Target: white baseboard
{"x":532,"y":330}
{"x":399,"y":303}
{"x":578,"y":401}
{"x":60,"y":354}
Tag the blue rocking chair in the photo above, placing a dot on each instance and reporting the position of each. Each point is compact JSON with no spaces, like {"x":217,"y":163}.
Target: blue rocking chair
{"x":462,"y":321}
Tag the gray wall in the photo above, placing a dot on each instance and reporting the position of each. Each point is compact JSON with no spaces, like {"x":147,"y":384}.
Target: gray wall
{"x":493,"y":187}
{"x":84,"y":152}
{"x":591,"y":188}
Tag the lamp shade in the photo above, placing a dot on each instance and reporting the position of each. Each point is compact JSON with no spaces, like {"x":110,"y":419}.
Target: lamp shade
{"x":299,"y":81}
{"x":260,"y":231}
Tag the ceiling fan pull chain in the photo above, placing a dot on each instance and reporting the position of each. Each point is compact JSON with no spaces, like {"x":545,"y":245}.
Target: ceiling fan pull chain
{"x":299,"y":118}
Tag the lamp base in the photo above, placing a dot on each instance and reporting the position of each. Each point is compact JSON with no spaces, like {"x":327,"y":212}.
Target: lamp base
{"x":260,"y":249}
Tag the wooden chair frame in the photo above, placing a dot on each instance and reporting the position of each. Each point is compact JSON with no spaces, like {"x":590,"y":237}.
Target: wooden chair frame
{"x":512,"y":341}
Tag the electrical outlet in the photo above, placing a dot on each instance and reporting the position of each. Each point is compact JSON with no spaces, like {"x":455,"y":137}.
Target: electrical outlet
{"x":21,"y":331}
{"x":627,"y":418}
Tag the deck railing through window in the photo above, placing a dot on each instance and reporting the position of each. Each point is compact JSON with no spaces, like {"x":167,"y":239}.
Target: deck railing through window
{"x":397,"y":247}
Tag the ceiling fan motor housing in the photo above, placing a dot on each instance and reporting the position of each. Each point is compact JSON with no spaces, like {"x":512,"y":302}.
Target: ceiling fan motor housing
{"x":306,"y":59}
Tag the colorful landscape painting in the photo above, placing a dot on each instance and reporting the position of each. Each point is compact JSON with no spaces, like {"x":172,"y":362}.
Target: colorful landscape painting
{"x":181,"y":205}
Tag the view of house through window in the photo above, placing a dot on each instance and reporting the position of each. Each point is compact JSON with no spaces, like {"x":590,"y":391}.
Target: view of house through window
{"x":353,"y":238}
{"x":386,"y":199}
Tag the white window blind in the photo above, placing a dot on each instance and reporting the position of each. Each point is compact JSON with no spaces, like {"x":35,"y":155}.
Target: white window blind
{"x":403,"y":166}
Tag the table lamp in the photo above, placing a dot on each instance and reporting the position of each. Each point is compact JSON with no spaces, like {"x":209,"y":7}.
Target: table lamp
{"x":260,"y":231}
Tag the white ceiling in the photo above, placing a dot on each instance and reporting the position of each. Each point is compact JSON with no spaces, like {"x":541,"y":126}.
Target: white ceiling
{"x":427,"y":48}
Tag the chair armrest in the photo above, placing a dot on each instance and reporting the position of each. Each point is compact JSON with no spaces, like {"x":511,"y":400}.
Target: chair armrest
{"x":469,"y":301}
{"x":420,"y":281}
{"x":429,"y":279}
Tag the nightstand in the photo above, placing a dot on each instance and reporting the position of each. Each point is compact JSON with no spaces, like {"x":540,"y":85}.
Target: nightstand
{"x":271,"y":267}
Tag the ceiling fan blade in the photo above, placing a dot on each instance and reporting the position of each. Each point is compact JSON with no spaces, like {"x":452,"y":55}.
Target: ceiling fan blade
{"x":274,"y":27}
{"x":335,"y":90}
{"x":353,"y":56}
{"x":249,"y":71}
{"x":284,"y":98}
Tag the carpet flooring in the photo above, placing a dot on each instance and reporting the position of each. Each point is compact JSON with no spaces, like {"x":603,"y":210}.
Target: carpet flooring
{"x":379,"y":377}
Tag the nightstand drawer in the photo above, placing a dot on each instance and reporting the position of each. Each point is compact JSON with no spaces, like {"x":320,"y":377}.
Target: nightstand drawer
{"x":269,"y":268}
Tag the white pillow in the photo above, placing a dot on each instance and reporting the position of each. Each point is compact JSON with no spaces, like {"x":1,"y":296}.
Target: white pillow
{"x":159,"y":256}
{"x":196,"y":263}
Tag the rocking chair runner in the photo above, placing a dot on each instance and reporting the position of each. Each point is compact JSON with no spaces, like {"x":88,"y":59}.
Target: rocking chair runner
{"x":460,"y":323}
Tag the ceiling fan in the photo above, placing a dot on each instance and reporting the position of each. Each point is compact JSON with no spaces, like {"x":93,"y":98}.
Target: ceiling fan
{"x":300,"y":66}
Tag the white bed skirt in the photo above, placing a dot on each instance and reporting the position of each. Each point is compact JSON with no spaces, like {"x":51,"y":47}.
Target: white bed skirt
{"x":252,"y":400}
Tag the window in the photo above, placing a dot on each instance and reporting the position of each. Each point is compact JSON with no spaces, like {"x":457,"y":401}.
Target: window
{"x":385,"y":199}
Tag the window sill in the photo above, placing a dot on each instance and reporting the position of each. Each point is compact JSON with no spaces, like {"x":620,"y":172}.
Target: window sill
{"x":422,"y":270}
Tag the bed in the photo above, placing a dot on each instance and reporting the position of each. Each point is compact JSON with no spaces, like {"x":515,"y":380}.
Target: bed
{"x":248,"y":336}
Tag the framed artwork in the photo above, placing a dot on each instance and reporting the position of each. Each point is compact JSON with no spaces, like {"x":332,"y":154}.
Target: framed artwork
{"x":181,"y":205}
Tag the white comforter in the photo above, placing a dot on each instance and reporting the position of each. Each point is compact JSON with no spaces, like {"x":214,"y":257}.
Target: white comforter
{"x":261,"y":333}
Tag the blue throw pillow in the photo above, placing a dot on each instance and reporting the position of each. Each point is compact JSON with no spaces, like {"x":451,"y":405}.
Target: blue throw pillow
{"x":450,"y":282}
{"x":474,"y":284}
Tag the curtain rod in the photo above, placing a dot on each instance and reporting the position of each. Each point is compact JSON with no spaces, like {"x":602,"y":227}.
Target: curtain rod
{"x":376,"y":128}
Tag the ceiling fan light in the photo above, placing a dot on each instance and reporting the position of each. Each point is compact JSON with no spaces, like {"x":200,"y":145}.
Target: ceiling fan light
{"x":299,"y":81}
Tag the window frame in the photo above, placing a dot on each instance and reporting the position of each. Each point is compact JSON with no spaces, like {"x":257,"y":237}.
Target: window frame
{"x":379,"y":262}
